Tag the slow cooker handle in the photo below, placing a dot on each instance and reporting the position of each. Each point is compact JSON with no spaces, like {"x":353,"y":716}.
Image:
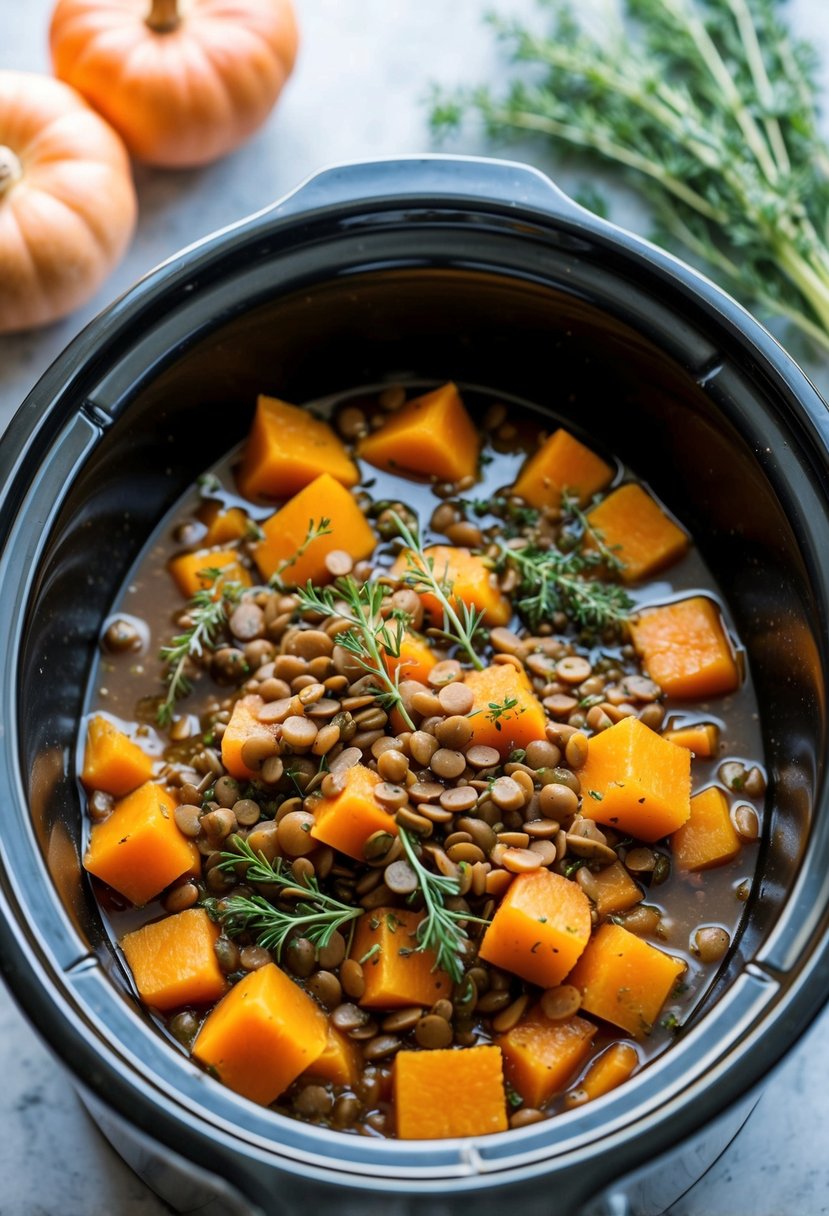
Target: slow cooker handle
{"x":427,"y":178}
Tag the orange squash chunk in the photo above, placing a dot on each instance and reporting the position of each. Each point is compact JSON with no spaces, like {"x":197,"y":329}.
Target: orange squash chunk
{"x":540,"y":1056}
{"x":339,"y":1062}
{"x":190,"y":570}
{"x":609,"y":1070}
{"x":139,"y":850}
{"x":262,"y":1035}
{"x":396,"y":973}
{"x":703,"y":739}
{"x":224,"y":524}
{"x":524,"y":720}
{"x":416,"y":658}
{"x":638,"y":532}
{"x":472,"y":582}
{"x":287,"y":449}
{"x":561,"y":463}
{"x":442,"y":1094}
{"x":113,"y":762}
{"x":636,"y":781}
{"x":539,"y":928}
{"x":685,"y":648}
{"x":244,"y":724}
{"x":173,"y":961}
{"x":286,"y":531}
{"x":347,"y":821}
{"x":708,"y":839}
{"x":616,"y":890}
{"x":430,"y":435}
{"x":624,"y":980}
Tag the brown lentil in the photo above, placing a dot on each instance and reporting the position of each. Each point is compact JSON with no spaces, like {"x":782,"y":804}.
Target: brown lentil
{"x":433,"y":1032}
{"x":561,"y":1002}
{"x":352,"y":980}
{"x":710,"y":943}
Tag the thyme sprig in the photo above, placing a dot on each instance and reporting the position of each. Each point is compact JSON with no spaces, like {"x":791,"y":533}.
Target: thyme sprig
{"x":551,"y":581}
{"x":712,"y":107}
{"x":585,"y":530}
{"x":441,"y":929}
{"x":371,"y":635}
{"x":313,"y":914}
{"x":460,"y":621}
{"x":322,"y":527}
{"x":207,"y":610}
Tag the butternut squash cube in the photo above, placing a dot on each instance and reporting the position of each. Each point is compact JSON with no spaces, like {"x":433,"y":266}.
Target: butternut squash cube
{"x":431,"y":435}
{"x":416,"y":658}
{"x":607,"y":1072}
{"x":624,"y":980}
{"x":138,"y":850}
{"x":286,"y":531}
{"x":471,"y":579}
{"x":708,"y":839}
{"x":262,"y":1035}
{"x":244,"y":725}
{"x":339,"y":1062}
{"x":193,"y":571}
{"x":561,"y":463}
{"x":396,"y":973}
{"x":173,"y":961}
{"x":539,"y":929}
{"x":615,"y":890}
{"x":638,"y":532}
{"x":287,"y":449}
{"x":506,"y":713}
{"x":636,"y":781}
{"x":703,"y":739}
{"x":540,"y":1056}
{"x":112,"y":761}
{"x":441,"y":1094}
{"x":346,"y":821}
{"x":225,"y":525}
{"x":684,"y":648}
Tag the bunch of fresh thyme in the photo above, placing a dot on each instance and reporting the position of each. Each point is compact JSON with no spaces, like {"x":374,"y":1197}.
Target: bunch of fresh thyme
{"x":711,"y":107}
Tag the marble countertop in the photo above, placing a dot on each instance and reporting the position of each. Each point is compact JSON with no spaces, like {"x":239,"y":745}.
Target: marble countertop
{"x":358,"y":92}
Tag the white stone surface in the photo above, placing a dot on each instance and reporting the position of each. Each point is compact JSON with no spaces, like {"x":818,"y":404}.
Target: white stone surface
{"x":358,"y":91}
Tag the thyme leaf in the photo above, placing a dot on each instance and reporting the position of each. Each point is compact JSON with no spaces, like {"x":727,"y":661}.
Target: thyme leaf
{"x":207,"y":612}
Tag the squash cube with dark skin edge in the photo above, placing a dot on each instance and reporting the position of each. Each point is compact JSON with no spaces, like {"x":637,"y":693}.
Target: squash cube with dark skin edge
{"x":396,"y":973}
{"x":442,"y":1094}
{"x":431,"y":435}
{"x":287,"y":449}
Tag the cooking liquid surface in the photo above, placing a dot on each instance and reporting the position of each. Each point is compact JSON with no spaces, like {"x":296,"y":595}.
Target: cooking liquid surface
{"x":126,"y":688}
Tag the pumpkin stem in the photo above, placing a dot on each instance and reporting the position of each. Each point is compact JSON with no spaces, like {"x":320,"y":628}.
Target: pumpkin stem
{"x":163,"y":16}
{"x":11,"y":169}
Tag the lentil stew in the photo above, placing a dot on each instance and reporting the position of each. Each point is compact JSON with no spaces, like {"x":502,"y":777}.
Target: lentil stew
{"x":446,"y":780}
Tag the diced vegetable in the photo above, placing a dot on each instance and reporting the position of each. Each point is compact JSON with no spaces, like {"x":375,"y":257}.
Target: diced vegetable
{"x":615,"y":890}
{"x":471,"y":581}
{"x":609,"y":1070}
{"x":432,"y":435}
{"x":685,"y":648}
{"x":225,"y":525}
{"x":708,"y":839}
{"x":506,"y":713}
{"x":139,"y":850}
{"x":287,"y":449}
{"x":624,"y":980}
{"x":262,"y":1035}
{"x":346,"y":821}
{"x":396,"y":973}
{"x":191,"y":570}
{"x":561,"y":463}
{"x":173,"y":961}
{"x":416,"y":658}
{"x":540,"y":1056}
{"x":636,"y":781}
{"x":113,"y":762}
{"x":442,"y":1094}
{"x":703,"y":739}
{"x":244,"y":725}
{"x":340,"y":1061}
{"x":539,"y":928}
{"x":286,"y":533}
{"x":637,"y":531}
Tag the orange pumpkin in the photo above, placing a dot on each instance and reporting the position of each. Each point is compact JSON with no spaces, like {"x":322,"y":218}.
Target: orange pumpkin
{"x":182,"y":83}
{"x":67,"y":203}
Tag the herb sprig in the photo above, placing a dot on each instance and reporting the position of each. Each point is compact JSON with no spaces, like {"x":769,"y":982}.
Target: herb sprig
{"x":441,"y":929}
{"x":551,"y":581}
{"x":712,"y":107}
{"x":314,"y":915}
{"x":207,"y":612}
{"x":460,"y":621}
{"x":322,"y":527}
